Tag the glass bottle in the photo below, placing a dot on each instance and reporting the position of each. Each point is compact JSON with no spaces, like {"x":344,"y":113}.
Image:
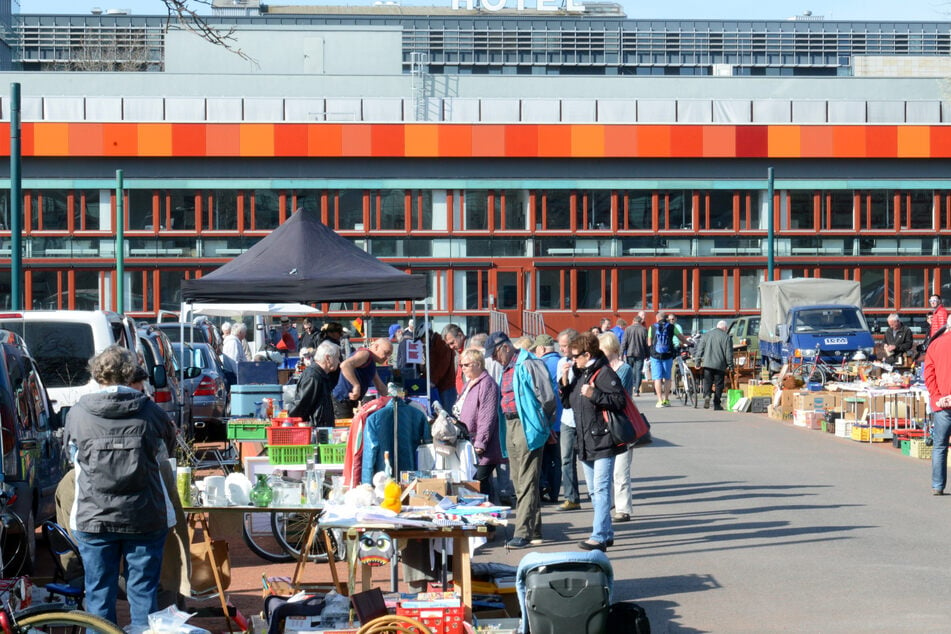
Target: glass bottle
{"x":261,"y":493}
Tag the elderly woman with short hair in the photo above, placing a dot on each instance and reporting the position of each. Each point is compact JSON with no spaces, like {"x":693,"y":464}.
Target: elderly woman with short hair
{"x":313,"y":400}
{"x":478,"y":409}
{"x":117,"y":438}
{"x":611,"y":348}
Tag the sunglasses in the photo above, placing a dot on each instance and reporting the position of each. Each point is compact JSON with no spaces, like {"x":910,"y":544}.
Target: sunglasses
{"x":575,"y":356}
{"x":466,"y":365}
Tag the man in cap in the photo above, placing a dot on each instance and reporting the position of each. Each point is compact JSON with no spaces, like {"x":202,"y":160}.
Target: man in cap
{"x":286,"y":338}
{"x":528,"y":406}
{"x":544,"y":347}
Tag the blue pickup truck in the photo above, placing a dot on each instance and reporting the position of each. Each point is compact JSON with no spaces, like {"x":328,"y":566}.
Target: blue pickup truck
{"x":800,"y":316}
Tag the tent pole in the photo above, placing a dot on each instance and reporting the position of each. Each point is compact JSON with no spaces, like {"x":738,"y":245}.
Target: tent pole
{"x":427,"y":326}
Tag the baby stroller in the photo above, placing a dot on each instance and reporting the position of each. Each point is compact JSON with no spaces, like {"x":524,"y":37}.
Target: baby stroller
{"x":565,"y":592}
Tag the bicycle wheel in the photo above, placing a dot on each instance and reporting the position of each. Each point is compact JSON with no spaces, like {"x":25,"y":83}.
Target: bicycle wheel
{"x":290,"y":530}
{"x":690,"y":385}
{"x":261,"y":539}
{"x":54,"y":619}
{"x":807,"y":373}
{"x":683,"y":385}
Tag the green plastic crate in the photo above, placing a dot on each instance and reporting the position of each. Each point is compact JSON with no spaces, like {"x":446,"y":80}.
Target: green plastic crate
{"x":289,"y":454}
{"x":332,"y":454}
{"x":906,"y":447}
{"x":247,"y":429}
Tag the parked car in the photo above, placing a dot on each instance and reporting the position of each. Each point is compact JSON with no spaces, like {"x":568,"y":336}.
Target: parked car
{"x":202,"y":331}
{"x":30,"y":442}
{"x":160,"y":362}
{"x":63,"y":341}
{"x":209,"y":391}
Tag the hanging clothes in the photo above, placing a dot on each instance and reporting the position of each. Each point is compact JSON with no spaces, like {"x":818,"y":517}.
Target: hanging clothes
{"x":412,"y":430}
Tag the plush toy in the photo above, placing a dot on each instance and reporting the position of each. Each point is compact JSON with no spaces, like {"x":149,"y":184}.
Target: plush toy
{"x":392,"y":495}
{"x":375,"y":549}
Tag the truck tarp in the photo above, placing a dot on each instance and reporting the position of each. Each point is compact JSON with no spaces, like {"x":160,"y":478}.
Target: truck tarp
{"x":776,"y":298}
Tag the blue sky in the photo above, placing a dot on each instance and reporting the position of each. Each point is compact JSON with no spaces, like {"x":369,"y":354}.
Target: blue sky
{"x":678,"y":9}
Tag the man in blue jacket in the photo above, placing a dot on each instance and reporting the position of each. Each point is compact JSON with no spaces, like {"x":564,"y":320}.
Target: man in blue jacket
{"x":528,"y":405}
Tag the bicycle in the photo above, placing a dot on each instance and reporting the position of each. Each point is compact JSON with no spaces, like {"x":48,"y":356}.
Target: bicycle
{"x":52,"y":618}
{"x":819,"y":370}
{"x":684,"y":384}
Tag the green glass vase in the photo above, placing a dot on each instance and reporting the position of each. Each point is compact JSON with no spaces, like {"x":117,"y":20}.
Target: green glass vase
{"x":261,"y":493}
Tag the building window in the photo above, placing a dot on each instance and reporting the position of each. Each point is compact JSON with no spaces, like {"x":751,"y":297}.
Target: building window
{"x":86,"y":290}
{"x":913,"y":288}
{"x":421,"y":209}
{"x":477,"y":204}
{"x":346,"y":210}
{"x":801,"y":211}
{"x":838,"y":210}
{"x":918,"y":208}
{"x":49,"y":210}
{"x":389,"y":210}
{"x":716,"y":290}
{"x":638,"y":210}
{"x":675,"y":210}
{"x":555,"y":207}
{"x":553,"y":289}
{"x":88,"y":211}
{"x":177,"y":208}
{"x":630,"y":289}
{"x":264,"y":211}
{"x":876,"y":291}
{"x":717,"y":210}
{"x":672,"y":289}
{"x":879,"y":210}
{"x":594,"y":289}
{"x":471,"y":290}
{"x":221,"y":210}
{"x":595,"y":210}
{"x":140,"y":210}
{"x":506,"y":286}
{"x":749,"y":289}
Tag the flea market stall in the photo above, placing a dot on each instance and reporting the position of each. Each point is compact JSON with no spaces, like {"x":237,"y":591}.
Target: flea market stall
{"x":305,"y":261}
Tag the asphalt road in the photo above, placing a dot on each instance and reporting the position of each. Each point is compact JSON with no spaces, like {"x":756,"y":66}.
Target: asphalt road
{"x":744,"y":524}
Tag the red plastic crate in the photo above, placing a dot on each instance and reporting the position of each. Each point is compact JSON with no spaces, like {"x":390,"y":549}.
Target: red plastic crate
{"x":289,"y":435}
{"x":439,"y":620}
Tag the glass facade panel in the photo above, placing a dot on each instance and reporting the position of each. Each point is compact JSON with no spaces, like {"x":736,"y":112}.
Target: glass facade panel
{"x":181,"y":210}
{"x":86,"y":290}
{"x":349,"y":209}
{"x":801,"y":210}
{"x":640,"y":210}
{"x":590,"y":290}
{"x":670,"y":289}
{"x":507,"y":287}
{"x":477,"y":210}
{"x":392,"y":209}
{"x":267,"y":210}
{"x":874,"y":288}
{"x":516,"y":210}
{"x":880,"y":214}
{"x":630,"y":289}
{"x":711,"y":290}
{"x":913,"y":288}
{"x":222,"y":214}
{"x":921,"y":210}
{"x":557,"y":205}
{"x":840,"y":210}
{"x":140,"y":211}
{"x":50,"y":210}
{"x":721,"y":210}
{"x":549,"y":293}
{"x":749,"y":289}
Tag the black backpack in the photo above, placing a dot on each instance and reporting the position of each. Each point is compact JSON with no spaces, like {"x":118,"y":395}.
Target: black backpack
{"x":661,"y":345}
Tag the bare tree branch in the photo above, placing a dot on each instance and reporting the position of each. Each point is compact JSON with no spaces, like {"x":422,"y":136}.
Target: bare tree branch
{"x":182,"y":11}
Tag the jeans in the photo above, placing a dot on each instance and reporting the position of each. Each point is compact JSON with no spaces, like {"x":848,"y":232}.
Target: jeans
{"x":599,"y":474}
{"x":103,"y":552}
{"x":939,"y":452}
{"x":525,"y":464}
{"x":622,"y":481}
{"x":569,"y":471}
{"x":638,"y":366}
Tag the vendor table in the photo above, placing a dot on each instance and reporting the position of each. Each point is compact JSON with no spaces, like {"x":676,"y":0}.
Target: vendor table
{"x":203,"y":515}
{"x":893,"y":400}
{"x":458,"y":535}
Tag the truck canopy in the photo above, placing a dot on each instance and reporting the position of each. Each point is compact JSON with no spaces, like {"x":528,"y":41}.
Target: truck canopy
{"x":776,"y":298}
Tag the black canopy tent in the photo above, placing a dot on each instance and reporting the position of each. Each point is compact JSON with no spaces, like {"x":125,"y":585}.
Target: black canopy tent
{"x":304,"y":261}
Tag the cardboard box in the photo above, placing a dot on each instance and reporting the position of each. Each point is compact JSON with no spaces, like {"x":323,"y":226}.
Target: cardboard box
{"x":760,"y":390}
{"x":436,"y":485}
{"x":810,"y":419}
{"x":812,"y":401}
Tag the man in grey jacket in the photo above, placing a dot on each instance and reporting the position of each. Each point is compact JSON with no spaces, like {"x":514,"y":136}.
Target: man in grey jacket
{"x":715,"y":356}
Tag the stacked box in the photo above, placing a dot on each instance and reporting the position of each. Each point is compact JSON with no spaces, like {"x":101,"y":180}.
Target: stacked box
{"x":918,"y":449}
{"x":441,"y":620}
{"x":764,"y":389}
{"x":810,"y":419}
{"x":843,"y":428}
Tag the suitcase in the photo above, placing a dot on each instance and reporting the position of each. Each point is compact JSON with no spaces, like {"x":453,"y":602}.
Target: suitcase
{"x":567,"y":597}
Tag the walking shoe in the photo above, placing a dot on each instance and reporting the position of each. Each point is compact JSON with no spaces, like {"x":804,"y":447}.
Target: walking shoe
{"x":666,"y":403}
{"x":621,"y":517}
{"x":590,"y":545}
{"x":937,"y":492}
{"x":537,"y":540}
{"x":609,"y":543}
{"x":706,"y":402}
{"x":517,"y":542}
{"x":568,"y":505}
{"x":659,"y":404}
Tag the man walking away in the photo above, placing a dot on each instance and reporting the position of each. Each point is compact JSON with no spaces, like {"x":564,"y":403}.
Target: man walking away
{"x":528,"y":405}
{"x":635,"y":350}
{"x":715,"y":356}
{"x":660,"y":340}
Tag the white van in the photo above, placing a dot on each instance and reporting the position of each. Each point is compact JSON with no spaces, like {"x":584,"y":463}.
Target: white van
{"x":63,"y":341}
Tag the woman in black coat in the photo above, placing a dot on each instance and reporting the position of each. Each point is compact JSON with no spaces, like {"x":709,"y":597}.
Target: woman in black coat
{"x":594,"y":389}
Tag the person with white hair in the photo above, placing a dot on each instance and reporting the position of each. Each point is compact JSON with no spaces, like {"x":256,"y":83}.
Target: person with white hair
{"x":225,"y":328}
{"x":314,"y":402}
{"x":232,"y":352}
{"x":715,"y":356}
